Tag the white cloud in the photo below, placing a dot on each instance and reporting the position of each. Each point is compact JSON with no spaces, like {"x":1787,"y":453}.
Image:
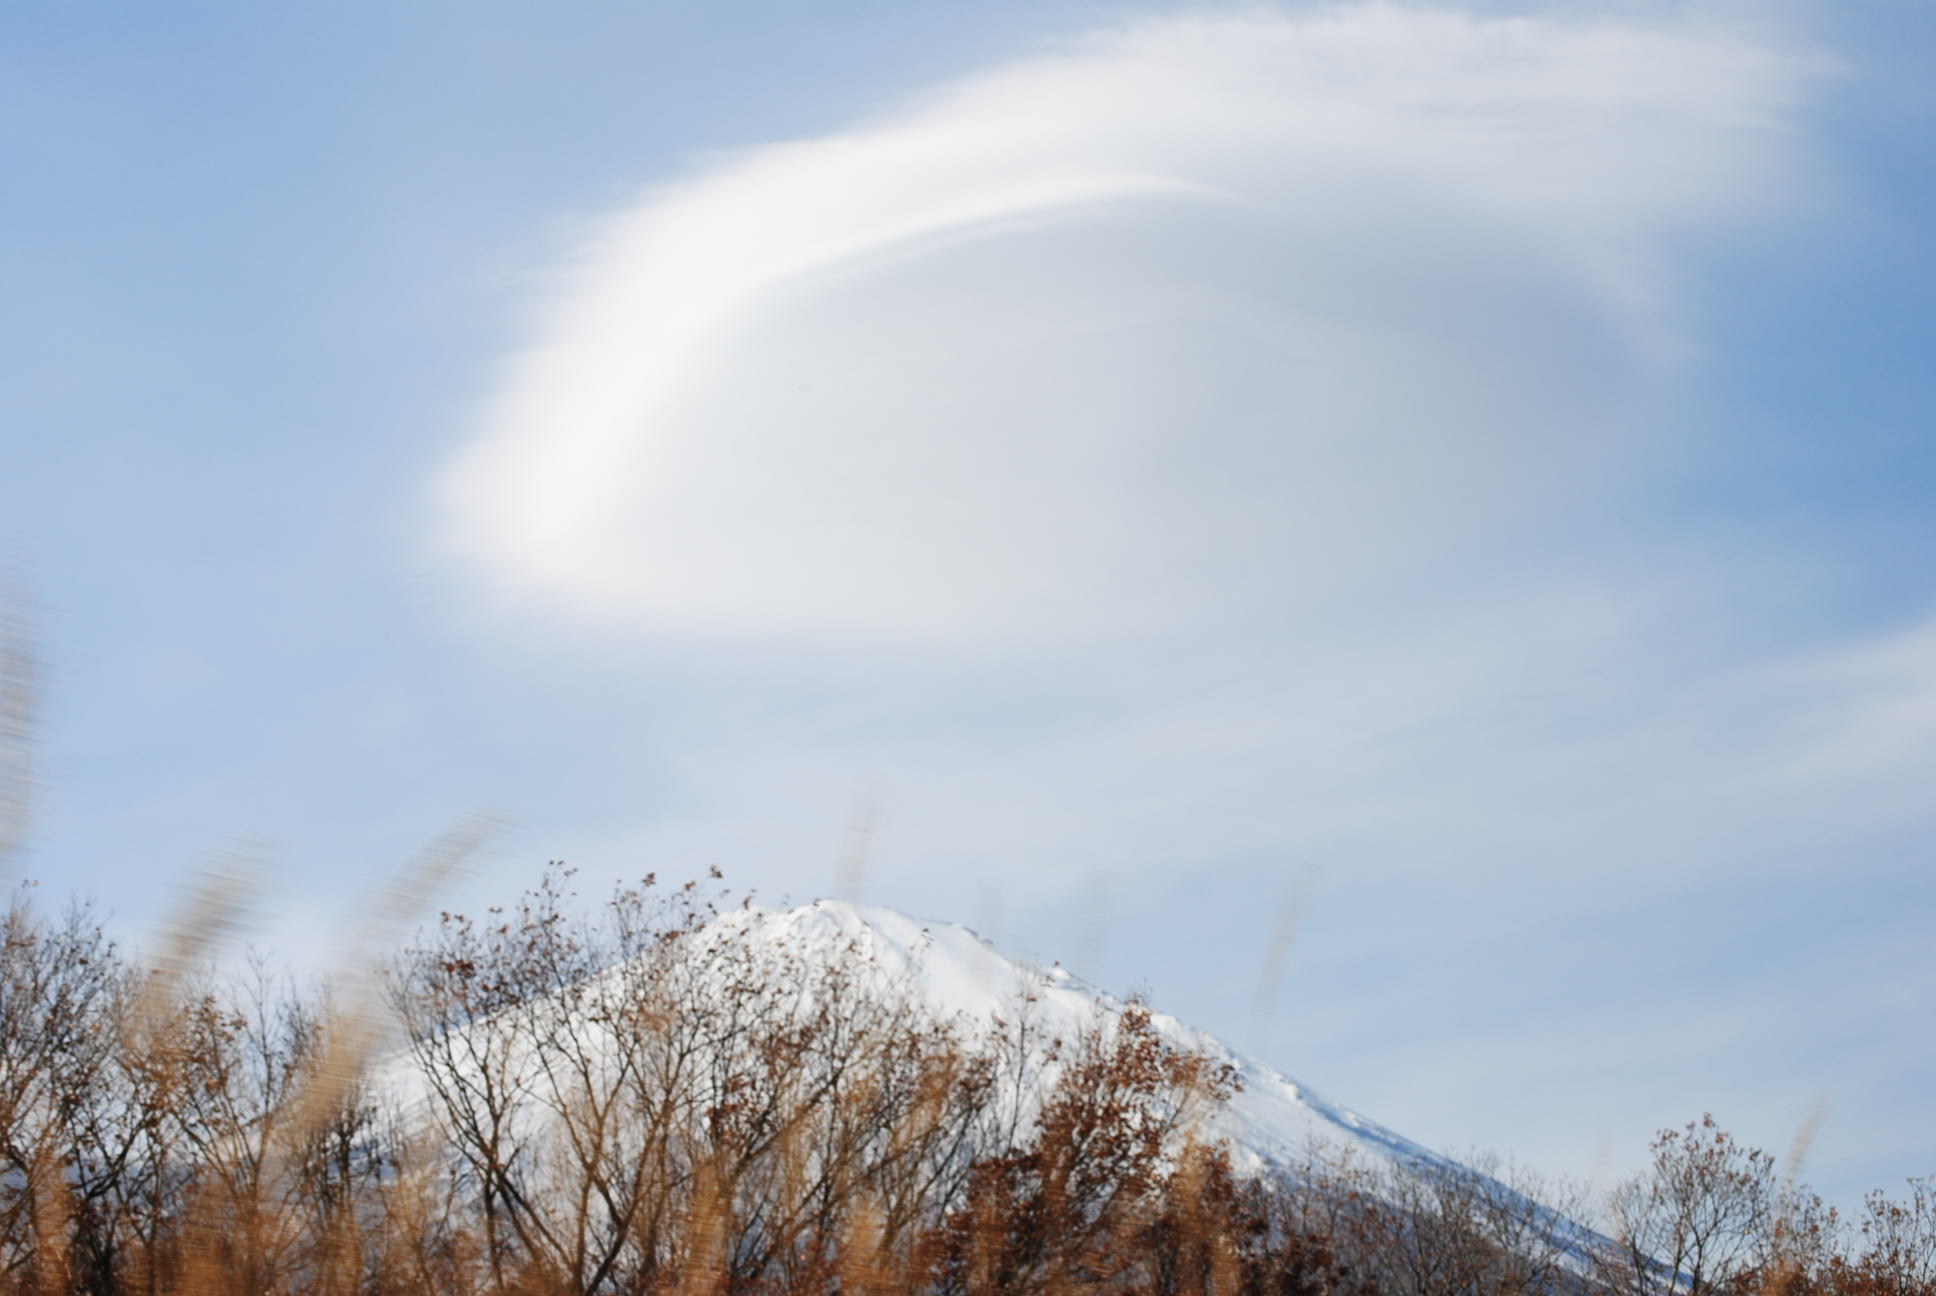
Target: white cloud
{"x":1207,"y":316}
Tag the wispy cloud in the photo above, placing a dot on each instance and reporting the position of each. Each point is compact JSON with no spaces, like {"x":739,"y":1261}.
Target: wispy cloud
{"x":1209,"y":314}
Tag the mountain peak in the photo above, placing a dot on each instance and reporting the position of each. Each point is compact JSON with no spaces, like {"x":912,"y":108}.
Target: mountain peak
{"x":1272,"y":1121}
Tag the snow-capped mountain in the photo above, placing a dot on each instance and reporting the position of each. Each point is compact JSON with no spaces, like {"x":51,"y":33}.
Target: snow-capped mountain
{"x":1271,"y":1121}
{"x":553,"y":1068}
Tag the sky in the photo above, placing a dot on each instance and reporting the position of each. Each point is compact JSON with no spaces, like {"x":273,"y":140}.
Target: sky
{"x":1403,"y":532}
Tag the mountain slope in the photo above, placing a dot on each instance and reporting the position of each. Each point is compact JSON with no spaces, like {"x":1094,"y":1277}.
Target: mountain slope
{"x":1272,"y":1121}
{"x":798,"y":1064}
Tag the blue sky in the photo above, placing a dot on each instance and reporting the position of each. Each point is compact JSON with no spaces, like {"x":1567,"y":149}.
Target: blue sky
{"x":1462,"y":476}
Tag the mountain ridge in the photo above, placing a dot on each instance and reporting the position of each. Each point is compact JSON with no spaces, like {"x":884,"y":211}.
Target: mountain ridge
{"x":1272,"y":1121}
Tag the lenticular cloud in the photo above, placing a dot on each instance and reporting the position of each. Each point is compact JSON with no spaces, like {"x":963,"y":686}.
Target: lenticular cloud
{"x":1199,"y":317}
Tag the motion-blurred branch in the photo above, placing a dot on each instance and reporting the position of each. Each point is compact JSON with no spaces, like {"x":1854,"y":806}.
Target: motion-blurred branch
{"x":357,"y":1020}
{"x":19,"y":696}
{"x":1270,"y":978}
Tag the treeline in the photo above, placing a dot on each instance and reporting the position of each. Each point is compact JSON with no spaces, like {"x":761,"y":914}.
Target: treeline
{"x":642,"y":1100}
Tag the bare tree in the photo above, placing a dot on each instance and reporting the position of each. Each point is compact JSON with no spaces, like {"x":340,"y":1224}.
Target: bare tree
{"x":1697,"y":1219}
{"x":1896,"y":1250}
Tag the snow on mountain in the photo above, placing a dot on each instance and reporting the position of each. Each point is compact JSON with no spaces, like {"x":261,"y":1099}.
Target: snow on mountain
{"x":1272,"y":1121}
